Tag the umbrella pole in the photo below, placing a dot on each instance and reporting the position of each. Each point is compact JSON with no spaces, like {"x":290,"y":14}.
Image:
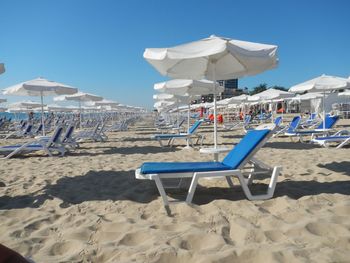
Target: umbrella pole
{"x":42,"y":113}
{"x":215,"y":121}
{"x":80,"y":114}
{"x":324,"y":111}
{"x":188,"y":124}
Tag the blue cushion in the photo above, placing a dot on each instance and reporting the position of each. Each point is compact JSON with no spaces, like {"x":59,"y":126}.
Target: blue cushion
{"x":248,"y":143}
{"x":195,"y":126}
{"x":17,"y":146}
{"x":181,"y":167}
{"x":330,"y":122}
{"x":232,"y":161}
{"x":294,"y":124}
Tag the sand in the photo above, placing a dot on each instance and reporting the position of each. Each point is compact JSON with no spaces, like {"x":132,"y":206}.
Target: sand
{"x":88,"y":206}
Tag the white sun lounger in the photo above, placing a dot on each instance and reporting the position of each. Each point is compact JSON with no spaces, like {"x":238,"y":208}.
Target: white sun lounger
{"x":187,"y":136}
{"x":239,"y":162}
{"x":341,"y":138}
{"x":48,"y":146}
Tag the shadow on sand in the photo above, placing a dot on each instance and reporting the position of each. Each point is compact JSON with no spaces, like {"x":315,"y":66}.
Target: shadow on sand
{"x":290,"y":145}
{"x":93,"y":186}
{"x":116,"y":186}
{"x":126,"y":150}
{"x":341,"y":167}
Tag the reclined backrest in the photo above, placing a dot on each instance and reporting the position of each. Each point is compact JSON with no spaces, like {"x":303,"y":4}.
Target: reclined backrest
{"x":330,"y":122}
{"x":56,"y":136}
{"x":195,"y":126}
{"x":68,"y":133}
{"x":278,"y":121}
{"x":39,"y":129}
{"x":248,"y":145}
{"x":247,"y":119}
{"x":28,"y":129}
{"x":294,"y":124}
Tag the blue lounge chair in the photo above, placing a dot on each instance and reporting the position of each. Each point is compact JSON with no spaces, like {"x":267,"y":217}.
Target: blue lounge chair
{"x":233,"y":165}
{"x":187,"y":136}
{"x":329,"y":124}
{"x":26,"y":132}
{"x":235,"y":125}
{"x":278,"y":121}
{"x":292,"y":127}
{"x":48,"y":146}
{"x":312,"y":121}
{"x":341,"y":138}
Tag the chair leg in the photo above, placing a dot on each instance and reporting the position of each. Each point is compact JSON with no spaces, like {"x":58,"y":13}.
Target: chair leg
{"x":229,"y":181}
{"x":192,"y":188}
{"x":343,"y":143}
{"x":271,"y":188}
{"x":162,"y":192}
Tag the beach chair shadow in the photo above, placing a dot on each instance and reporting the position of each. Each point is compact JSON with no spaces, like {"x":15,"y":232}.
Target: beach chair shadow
{"x":102,"y":186}
{"x":289,"y":188}
{"x":338,"y":167}
{"x":289,"y":146}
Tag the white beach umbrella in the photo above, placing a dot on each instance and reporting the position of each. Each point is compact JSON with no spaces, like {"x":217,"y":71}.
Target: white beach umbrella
{"x":213,"y":58}
{"x":322,"y":83}
{"x":105,"y":102}
{"x":26,"y":104}
{"x":79,"y":97}
{"x":344,"y":93}
{"x":306,"y":96}
{"x":190,"y":88}
{"x":241,"y":99}
{"x":271,"y":94}
{"x":40,"y":87}
{"x":2,"y":68}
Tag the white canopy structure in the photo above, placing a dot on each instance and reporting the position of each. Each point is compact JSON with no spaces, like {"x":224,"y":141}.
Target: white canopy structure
{"x":40,"y":87}
{"x":271,"y":94}
{"x":26,"y":104}
{"x":189,"y":88}
{"x":105,"y":102}
{"x":213,"y":58}
{"x":79,"y":97}
{"x":345,"y":93}
{"x":323,"y":84}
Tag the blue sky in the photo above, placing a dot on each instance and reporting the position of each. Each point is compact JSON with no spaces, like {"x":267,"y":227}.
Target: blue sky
{"x":97,"y":45}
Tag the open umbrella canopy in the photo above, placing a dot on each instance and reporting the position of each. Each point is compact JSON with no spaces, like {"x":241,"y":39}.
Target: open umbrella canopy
{"x":188,"y":86}
{"x":60,"y":108}
{"x":105,"y":102}
{"x":321,"y":83}
{"x":79,"y":96}
{"x":306,"y":96}
{"x":39,"y":87}
{"x":271,"y":94}
{"x":2,"y":68}
{"x":26,"y":104}
{"x":344,"y":93}
{"x":213,"y":58}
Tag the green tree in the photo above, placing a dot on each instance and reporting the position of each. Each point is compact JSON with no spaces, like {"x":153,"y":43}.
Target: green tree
{"x":258,"y":89}
{"x":279,"y":87}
